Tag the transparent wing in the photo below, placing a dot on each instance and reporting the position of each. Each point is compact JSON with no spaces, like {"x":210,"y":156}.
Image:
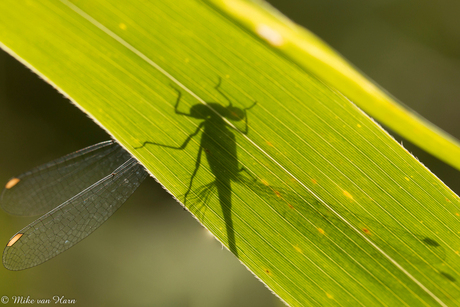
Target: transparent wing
{"x":74,"y":220}
{"x":49,"y":185}
{"x":198,"y":199}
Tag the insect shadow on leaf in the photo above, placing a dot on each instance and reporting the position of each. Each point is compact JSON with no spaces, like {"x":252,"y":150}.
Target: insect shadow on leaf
{"x":219,"y":144}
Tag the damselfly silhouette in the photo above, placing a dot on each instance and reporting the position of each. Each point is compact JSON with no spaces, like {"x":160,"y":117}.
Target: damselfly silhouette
{"x":219,"y":145}
{"x":218,"y":142}
{"x":76,"y":194}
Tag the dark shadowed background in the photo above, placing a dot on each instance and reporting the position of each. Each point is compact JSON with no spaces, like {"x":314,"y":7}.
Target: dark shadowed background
{"x":152,"y":252}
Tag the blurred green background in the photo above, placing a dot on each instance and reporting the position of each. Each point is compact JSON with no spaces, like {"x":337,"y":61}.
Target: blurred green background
{"x":152,"y":252}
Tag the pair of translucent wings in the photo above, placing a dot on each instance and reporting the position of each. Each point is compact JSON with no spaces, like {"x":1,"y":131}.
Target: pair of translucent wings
{"x":75,"y":194}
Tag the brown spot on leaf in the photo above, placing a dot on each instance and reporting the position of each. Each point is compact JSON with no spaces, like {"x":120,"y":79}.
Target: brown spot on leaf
{"x":448,"y":276}
{"x":430,"y":242}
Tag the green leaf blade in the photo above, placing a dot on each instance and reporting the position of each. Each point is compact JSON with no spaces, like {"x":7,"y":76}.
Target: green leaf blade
{"x":329,"y":209}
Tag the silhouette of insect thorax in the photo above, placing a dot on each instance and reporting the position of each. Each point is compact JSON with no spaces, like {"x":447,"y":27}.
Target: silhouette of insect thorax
{"x":218,"y":141}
